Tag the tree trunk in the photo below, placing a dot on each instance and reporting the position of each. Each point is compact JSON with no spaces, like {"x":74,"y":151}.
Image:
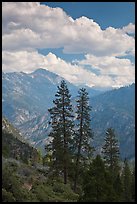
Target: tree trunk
{"x":77,"y":168}
{"x":79,"y":149}
{"x":65,"y":146}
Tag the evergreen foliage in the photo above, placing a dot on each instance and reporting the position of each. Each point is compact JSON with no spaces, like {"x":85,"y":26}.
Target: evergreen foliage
{"x":111,"y":152}
{"x":13,"y":147}
{"x":62,"y":130}
{"x":96,"y":185}
{"x":127,"y":180}
{"x":69,"y":166}
{"x":83,"y":133}
{"x":133,"y":184}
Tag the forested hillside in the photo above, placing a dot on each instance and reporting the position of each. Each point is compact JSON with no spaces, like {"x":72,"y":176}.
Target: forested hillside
{"x":71,"y":169}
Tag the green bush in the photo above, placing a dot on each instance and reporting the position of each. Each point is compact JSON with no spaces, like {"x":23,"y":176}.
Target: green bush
{"x":42,"y":192}
{"x":7,"y":196}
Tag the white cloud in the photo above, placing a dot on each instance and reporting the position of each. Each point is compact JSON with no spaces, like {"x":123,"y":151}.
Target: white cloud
{"x":130,"y":28}
{"x":21,"y":61}
{"x":27,"y":26}
{"x":109,"y":65}
{"x":30,"y":61}
{"x":122,"y":69}
{"x":31,"y":25}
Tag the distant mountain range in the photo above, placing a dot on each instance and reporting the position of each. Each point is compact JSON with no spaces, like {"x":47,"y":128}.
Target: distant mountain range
{"x":115,"y":109}
{"x":27,"y":97}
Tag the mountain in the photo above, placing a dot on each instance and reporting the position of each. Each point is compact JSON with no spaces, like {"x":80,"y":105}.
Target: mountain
{"x":15,"y":146}
{"x":27,"y":97}
{"x":116,"y":109}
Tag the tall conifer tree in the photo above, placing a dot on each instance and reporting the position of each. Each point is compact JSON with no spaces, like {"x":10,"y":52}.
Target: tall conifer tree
{"x":111,"y":152}
{"x":83,"y":133}
{"x":133,"y":184}
{"x":96,"y":183}
{"x":127,"y":179}
{"x":62,"y":130}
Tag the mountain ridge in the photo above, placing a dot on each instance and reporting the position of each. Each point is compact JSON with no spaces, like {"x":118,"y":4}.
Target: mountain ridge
{"x":15,"y":146}
{"x":27,"y":97}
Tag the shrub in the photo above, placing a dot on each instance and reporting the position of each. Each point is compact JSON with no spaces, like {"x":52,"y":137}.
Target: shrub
{"x":7,"y":196}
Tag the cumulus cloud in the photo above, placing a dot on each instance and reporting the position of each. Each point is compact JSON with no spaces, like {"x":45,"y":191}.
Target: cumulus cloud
{"x":31,"y":25}
{"x":130,"y":28}
{"x":109,"y":65}
{"x":30,"y":61}
{"x":74,"y":73}
{"x":27,"y":26}
{"x":122,"y":71}
{"x":21,"y":61}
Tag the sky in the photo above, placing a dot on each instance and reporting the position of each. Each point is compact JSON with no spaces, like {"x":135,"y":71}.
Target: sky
{"x":87,"y":43}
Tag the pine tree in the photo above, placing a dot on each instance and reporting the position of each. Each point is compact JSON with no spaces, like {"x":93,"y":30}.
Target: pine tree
{"x":62,"y":130}
{"x":118,"y":188}
{"x":111,"y":152}
{"x":133,"y":184}
{"x":83,"y":133}
{"x":126,"y":178}
{"x":96,"y":185}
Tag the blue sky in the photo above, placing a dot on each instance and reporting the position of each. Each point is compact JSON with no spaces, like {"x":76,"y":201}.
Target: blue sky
{"x":90,"y":43}
{"x":115,"y":14}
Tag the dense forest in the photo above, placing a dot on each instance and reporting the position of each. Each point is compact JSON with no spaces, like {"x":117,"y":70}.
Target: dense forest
{"x":71,"y":170}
